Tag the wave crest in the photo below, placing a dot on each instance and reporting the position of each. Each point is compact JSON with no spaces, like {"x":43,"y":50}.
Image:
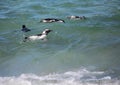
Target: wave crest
{"x":80,"y":77}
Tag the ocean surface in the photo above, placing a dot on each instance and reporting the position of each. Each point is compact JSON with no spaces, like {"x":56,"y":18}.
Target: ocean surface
{"x":77,"y":52}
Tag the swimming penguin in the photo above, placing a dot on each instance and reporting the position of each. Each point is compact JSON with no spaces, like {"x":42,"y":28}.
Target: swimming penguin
{"x":25,"y":29}
{"x":41,"y":36}
{"x":49,"y":20}
{"x":76,"y":17}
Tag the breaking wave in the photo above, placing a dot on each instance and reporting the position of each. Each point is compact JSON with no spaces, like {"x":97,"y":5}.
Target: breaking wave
{"x":80,"y":77}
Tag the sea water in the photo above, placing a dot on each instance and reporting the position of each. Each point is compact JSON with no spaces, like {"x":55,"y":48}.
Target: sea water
{"x":77,"y":52}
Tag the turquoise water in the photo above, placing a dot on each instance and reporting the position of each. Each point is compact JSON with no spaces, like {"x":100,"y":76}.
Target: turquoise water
{"x":77,"y":52}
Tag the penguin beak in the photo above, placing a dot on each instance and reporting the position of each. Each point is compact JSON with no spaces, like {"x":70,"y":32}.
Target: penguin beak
{"x":51,"y":30}
{"x":63,"y":21}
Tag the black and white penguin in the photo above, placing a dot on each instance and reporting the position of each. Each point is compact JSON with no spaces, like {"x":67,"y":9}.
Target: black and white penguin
{"x":41,"y":36}
{"x":49,"y":20}
{"x":76,"y":17}
{"x":25,"y":29}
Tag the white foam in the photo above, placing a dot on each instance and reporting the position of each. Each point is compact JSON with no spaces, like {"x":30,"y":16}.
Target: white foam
{"x":81,"y":77}
{"x":13,"y":81}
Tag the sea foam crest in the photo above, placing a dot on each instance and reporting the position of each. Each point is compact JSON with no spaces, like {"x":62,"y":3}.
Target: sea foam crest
{"x":81,"y":77}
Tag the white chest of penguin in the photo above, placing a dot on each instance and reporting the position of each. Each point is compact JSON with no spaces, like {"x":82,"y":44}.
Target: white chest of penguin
{"x":42,"y":37}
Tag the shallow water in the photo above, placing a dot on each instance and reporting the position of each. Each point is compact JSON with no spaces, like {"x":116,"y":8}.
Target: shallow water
{"x":77,"y":52}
